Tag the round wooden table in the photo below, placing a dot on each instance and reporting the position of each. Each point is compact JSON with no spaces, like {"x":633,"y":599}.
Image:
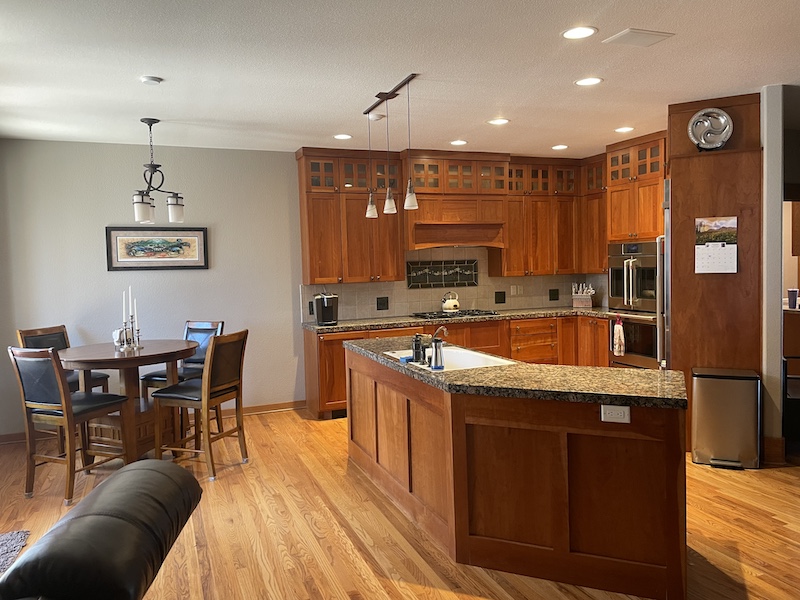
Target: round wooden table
{"x":107,"y":356}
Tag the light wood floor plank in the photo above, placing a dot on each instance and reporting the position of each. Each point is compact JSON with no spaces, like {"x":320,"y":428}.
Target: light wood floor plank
{"x":299,"y":522}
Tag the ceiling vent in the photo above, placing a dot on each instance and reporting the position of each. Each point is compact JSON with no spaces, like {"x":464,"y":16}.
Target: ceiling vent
{"x":638,"y":37}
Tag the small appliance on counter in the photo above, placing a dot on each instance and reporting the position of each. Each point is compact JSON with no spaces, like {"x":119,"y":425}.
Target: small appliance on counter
{"x":326,"y":308}
{"x":450,"y":302}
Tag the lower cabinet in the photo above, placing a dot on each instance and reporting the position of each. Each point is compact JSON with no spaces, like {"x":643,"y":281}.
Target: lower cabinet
{"x":487,"y":336}
{"x":326,"y":380}
{"x":545,"y":341}
{"x":593,"y":342}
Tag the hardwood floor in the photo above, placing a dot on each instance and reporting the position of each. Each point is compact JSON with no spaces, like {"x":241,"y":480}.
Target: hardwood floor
{"x":297,"y":522}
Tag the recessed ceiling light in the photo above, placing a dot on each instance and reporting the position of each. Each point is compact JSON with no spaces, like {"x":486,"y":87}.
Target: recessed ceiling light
{"x":458,"y":142}
{"x":623,"y":129}
{"x":560,"y":147}
{"x":578,"y":33}
{"x":150,"y":79}
{"x":588,"y":81}
{"x":499,"y":121}
{"x":343,"y":136}
{"x":376,"y":116}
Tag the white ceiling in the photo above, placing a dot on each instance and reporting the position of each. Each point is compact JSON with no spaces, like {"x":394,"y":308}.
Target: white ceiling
{"x":281,"y":74}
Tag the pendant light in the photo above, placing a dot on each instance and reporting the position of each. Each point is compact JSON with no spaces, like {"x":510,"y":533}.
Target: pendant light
{"x":410,"y":202}
{"x":144,"y":207}
{"x":389,"y":207}
{"x":372,"y":210}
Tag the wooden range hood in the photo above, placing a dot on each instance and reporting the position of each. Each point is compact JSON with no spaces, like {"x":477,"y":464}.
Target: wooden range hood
{"x":436,"y":234}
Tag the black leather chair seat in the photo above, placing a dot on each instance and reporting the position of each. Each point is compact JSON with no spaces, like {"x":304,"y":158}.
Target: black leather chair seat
{"x":188,"y":390}
{"x":112,"y":544}
{"x":83,"y":402}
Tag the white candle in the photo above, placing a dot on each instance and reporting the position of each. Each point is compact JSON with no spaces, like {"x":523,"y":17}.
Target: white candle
{"x":130,"y":301}
{"x":135,"y":315}
{"x":124,"y":317}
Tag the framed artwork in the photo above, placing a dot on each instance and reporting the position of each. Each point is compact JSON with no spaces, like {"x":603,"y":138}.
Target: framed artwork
{"x":156,"y":248}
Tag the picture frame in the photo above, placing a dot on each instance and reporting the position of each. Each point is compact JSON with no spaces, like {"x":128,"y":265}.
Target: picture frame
{"x":142,"y":248}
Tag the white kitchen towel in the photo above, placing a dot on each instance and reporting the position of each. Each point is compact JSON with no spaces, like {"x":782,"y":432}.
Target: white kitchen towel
{"x":619,"y":340}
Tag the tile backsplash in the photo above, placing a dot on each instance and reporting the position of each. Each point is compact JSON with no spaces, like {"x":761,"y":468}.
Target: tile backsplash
{"x":359,"y":300}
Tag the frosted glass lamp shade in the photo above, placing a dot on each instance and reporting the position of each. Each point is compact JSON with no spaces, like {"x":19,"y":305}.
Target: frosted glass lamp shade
{"x":411,"y":197}
{"x":175,"y":208}
{"x":372,"y":210}
{"x":389,"y":207}
{"x":141,"y":207}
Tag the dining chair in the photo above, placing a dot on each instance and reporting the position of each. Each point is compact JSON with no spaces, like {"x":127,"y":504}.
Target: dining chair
{"x":221,"y":382}
{"x":47,"y":400}
{"x":192,"y":367}
{"x":56,"y":337}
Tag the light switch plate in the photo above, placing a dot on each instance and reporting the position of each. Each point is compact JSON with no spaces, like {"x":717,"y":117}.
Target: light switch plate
{"x":610,"y":413}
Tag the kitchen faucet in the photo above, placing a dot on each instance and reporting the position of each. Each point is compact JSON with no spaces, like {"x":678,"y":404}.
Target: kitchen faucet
{"x":436,"y":333}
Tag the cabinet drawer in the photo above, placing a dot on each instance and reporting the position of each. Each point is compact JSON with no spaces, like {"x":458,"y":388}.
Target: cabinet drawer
{"x":542,"y":329}
{"x":527,"y":348}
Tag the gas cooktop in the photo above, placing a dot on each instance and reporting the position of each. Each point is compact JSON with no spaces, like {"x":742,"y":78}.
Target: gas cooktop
{"x":440,"y":314}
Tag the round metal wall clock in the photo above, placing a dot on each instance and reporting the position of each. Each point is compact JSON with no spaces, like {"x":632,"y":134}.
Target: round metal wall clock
{"x":710,"y":128}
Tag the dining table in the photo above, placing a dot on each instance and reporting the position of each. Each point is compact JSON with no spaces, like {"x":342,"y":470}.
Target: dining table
{"x":137,"y":413}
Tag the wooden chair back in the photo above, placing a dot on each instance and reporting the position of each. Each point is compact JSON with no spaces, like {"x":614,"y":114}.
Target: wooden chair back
{"x":43,"y":385}
{"x":44,"y":337}
{"x":224,"y":363}
{"x":201,"y":332}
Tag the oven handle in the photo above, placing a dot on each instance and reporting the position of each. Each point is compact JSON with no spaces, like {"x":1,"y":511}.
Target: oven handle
{"x":660,"y":341}
{"x":625,"y":283}
{"x":632,"y":279}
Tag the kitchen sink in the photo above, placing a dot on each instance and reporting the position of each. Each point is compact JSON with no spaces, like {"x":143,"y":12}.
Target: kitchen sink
{"x":456,"y":358}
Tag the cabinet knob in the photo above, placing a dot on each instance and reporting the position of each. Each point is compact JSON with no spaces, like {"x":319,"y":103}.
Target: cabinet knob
{"x":321,"y":338}
{"x":340,"y":280}
{"x":372,"y":278}
{"x":552,"y":325}
{"x":553,"y":345}
{"x":517,"y":348}
{"x":517,"y":327}
{"x":555,"y":191}
{"x":336,"y":188}
{"x":378,"y":278}
{"x":635,"y":235}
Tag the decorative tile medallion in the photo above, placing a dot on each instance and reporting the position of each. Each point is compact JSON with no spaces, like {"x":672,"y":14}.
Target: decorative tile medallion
{"x":441,"y":273}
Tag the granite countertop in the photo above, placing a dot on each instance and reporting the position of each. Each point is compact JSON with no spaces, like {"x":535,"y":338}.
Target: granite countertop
{"x":526,"y":313}
{"x":603,"y":385}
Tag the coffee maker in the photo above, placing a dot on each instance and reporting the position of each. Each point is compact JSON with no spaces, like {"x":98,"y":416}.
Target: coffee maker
{"x":326,"y":308}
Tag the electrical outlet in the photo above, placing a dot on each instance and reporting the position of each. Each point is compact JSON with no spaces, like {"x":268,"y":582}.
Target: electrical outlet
{"x":383,"y":302}
{"x":610,"y":413}
{"x":311,"y":307}
{"x":553,"y":294}
{"x":499,"y":297}
{"x":520,"y":291}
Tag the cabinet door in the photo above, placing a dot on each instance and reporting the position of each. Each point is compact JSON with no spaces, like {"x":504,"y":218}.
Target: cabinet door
{"x":517,"y":183}
{"x":649,"y":160}
{"x":388,"y":254}
{"x":565,"y":180}
{"x":567,"y":340}
{"x":587,"y":344}
{"x":534,"y":340}
{"x":593,"y":177}
{"x":619,"y":166}
{"x":514,"y":258}
{"x":354,"y":174}
{"x":539,"y":217}
{"x":487,"y":336}
{"x":492,"y":177}
{"x":394,"y":332}
{"x":602,"y":342}
{"x":332,"y":371}
{"x":564,"y":240}
{"x":387,"y":174}
{"x":537,"y":179}
{"x":621,"y":212}
{"x":426,"y":173}
{"x":649,"y":212}
{"x":322,"y":174}
{"x":357,"y":233}
{"x":324,"y":243}
{"x":592,"y":242}
{"x":460,"y":176}
{"x":459,"y":209}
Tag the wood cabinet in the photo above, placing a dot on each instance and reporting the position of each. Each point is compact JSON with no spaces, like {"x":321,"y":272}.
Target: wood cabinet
{"x":593,"y":175}
{"x":394,"y":332}
{"x":487,"y":336}
{"x":371,"y":248}
{"x":568,"y":340}
{"x":461,"y":176}
{"x":492,"y":177}
{"x":534,"y":340}
{"x":326,"y":380}
{"x":339,"y":243}
{"x":592,"y":234}
{"x":426,"y":173}
{"x":634,"y":210}
{"x":525,"y":179}
{"x":540,"y":237}
{"x":566,"y":180}
{"x":635,"y":189}
{"x":593,"y":342}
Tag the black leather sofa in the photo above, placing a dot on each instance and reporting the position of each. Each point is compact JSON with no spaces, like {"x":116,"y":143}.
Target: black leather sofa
{"x":111,"y":545}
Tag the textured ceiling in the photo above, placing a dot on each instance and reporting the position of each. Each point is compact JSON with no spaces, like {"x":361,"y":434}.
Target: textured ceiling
{"x":280,"y":74}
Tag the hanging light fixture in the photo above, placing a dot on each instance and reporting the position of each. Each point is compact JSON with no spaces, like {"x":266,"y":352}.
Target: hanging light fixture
{"x":410,"y":202}
{"x":144,"y":208}
{"x":372,"y":210}
{"x":389,"y":207}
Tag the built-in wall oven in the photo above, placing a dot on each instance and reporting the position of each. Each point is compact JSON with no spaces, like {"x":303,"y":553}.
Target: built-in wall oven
{"x":636,"y":288}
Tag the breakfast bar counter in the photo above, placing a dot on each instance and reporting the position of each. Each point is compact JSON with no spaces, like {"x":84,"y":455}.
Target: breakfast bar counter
{"x":511,"y":467}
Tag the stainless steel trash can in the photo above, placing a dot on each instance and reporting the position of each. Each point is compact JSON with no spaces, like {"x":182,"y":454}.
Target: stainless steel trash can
{"x":726,"y":418}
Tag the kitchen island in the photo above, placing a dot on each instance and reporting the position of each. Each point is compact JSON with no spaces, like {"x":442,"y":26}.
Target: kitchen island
{"x":511,"y":468}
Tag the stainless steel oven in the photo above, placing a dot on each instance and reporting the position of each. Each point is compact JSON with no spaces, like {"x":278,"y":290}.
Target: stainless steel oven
{"x":641,"y":342}
{"x":634,"y":276}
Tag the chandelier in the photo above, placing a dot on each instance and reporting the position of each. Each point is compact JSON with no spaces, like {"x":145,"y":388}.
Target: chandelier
{"x":144,"y":207}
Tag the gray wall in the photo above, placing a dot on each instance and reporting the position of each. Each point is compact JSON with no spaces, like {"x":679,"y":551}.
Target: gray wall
{"x":56,"y":200}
